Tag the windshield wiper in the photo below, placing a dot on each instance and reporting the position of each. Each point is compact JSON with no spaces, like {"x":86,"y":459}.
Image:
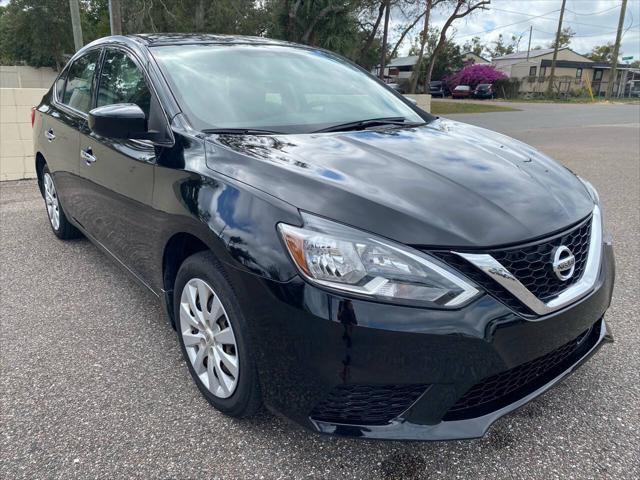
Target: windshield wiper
{"x":372,"y":122}
{"x":239,"y":131}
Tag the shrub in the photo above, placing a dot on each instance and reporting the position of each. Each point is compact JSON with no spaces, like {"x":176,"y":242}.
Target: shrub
{"x":506,"y":87}
{"x":473,"y":75}
{"x":404,"y":84}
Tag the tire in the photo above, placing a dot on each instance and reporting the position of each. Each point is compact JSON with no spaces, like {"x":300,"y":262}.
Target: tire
{"x":61,"y":227}
{"x":204,"y":338}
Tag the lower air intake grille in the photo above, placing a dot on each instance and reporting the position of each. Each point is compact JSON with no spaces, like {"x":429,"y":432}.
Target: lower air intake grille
{"x":366,"y":404}
{"x":504,"y":388}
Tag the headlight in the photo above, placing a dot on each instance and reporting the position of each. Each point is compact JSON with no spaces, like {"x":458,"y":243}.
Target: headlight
{"x":349,"y":260}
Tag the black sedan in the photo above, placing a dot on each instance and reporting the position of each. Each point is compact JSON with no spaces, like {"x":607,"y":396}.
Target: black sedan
{"x":484,"y":90}
{"x":320,"y":244}
{"x":438,"y":89}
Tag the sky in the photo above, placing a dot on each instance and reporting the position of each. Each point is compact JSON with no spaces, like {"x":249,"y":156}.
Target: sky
{"x":594,"y":21}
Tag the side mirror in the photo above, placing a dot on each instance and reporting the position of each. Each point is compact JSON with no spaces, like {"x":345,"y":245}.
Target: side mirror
{"x":120,"y":120}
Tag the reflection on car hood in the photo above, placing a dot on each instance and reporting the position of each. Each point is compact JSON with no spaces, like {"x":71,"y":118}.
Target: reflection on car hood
{"x":442,"y":184}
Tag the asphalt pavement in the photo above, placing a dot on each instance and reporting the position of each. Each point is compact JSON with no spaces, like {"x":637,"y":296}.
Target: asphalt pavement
{"x":92,"y":383}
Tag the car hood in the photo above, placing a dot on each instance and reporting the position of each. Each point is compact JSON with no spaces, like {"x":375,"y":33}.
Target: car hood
{"x":441,"y":184}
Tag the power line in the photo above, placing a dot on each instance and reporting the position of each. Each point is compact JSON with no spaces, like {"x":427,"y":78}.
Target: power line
{"x":507,"y":25}
{"x":579,"y":36}
{"x":631,"y":25}
{"x":542,"y":16}
{"x":545,"y":16}
{"x":550,"y":18}
{"x":594,"y":13}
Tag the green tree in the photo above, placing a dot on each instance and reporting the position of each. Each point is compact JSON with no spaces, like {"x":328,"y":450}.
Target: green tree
{"x":447,"y":62}
{"x":502,"y":47}
{"x":370,"y":19}
{"x":38,"y":32}
{"x":564,"y":39}
{"x":240,"y":17}
{"x":474,"y":45}
{"x":602,"y":53}
{"x":330,"y":24}
{"x":94,"y":16}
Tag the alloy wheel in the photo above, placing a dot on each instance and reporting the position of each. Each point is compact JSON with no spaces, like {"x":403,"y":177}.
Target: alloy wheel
{"x":51,"y":198}
{"x":208,"y":338}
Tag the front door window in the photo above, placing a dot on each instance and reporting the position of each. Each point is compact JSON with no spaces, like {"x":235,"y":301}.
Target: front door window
{"x":121,"y":81}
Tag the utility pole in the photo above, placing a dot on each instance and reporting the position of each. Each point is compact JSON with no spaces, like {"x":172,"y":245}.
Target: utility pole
{"x":115,"y":17}
{"x":383,"y":56}
{"x":616,"y":50}
{"x":555,"y":51}
{"x":529,"y":47}
{"x":75,"y":24}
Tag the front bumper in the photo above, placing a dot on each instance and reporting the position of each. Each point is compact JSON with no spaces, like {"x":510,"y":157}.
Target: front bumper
{"x":312,"y":347}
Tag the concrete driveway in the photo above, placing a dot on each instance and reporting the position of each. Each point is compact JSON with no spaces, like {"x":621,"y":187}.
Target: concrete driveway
{"x":92,"y":383}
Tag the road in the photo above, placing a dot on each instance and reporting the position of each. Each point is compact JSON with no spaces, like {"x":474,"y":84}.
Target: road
{"x":93,"y":385}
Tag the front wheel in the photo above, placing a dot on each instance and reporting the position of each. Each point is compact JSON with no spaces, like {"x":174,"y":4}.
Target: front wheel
{"x":213,"y":337}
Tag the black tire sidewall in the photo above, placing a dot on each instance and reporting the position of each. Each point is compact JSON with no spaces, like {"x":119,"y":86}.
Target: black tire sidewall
{"x":245,"y":400}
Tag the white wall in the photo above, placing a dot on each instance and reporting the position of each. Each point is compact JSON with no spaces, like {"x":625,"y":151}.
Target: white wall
{"x":16,"y":144}
{"x":423,"y":100}
{"x":18,"y":76}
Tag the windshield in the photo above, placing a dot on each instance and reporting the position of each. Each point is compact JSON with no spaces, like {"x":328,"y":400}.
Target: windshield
{"x":284,"y":89}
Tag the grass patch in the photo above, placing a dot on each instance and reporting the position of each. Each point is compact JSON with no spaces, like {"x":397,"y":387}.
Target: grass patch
{"x":462,"y":106}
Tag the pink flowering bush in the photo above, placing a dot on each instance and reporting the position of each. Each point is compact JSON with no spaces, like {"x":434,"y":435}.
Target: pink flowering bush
{"x":473,"y":75}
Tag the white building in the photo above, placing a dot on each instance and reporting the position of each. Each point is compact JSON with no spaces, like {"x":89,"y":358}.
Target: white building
{"x":573,"y":71}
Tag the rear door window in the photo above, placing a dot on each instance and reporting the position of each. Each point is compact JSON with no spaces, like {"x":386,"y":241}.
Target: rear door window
{"x":77,"y":91}
{"x":60,"y":85}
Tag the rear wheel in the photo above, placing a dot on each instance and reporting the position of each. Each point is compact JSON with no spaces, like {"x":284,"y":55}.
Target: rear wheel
{"x":213,"y":337}
{"x":57,"y":219}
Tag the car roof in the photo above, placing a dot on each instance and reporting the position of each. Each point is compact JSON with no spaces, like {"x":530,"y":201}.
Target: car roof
{"x":155,"y":39}
{"x":142,"y":41}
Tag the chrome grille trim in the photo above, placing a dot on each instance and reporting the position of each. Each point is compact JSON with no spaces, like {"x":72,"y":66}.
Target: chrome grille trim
{"x":496,"y":271}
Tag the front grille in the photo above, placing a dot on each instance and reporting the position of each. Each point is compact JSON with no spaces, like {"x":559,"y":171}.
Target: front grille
{"x":531,"y":265}
{"x":366,"y":404}
{"x":504,"y":388}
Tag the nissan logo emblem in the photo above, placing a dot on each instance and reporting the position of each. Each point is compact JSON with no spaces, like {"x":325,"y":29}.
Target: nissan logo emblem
{"x":564,"y":263}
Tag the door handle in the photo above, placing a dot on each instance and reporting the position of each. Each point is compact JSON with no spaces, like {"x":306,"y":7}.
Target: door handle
{"x":87,"y":156}
{"x":49,"y":135}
